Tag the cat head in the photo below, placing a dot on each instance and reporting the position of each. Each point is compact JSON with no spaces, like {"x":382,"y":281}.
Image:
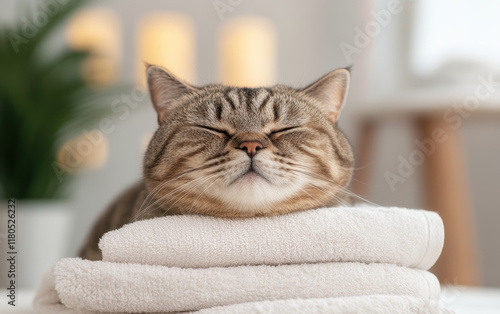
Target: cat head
{"x":239,"y":152}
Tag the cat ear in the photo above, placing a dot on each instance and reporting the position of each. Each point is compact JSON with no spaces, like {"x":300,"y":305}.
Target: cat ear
{"x":164,"y":89}
{"x":330,"y":92}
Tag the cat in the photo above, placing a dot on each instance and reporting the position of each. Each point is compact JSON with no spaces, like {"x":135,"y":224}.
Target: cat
{"x":237,"y":152}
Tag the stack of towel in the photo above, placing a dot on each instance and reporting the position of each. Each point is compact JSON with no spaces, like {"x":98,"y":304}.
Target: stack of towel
{"x":330,"y":260}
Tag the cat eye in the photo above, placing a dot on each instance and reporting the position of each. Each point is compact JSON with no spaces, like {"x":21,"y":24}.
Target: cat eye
{"x":219,"y":131}
{"x":282,"y":130}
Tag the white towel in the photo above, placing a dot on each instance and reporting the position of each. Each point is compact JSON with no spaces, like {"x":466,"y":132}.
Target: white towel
{"x":115,"y":287}
{"x":411,"y":238}
{"x":369,"y":304}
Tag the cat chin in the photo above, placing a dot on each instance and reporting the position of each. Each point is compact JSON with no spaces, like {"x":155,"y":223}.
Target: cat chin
{"x":251,"y":193}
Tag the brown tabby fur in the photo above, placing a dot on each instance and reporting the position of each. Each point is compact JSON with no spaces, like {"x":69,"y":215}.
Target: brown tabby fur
{"x":194,"y":163}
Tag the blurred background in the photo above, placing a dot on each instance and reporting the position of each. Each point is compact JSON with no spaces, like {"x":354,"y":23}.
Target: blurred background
{"x":423,"y":110}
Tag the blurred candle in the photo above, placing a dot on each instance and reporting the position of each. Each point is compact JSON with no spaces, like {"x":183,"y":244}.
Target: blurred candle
{"x":247,"y":52}
{"x":168,"y":40}
{"x":99,"y":31}
{"x":85,"y":152}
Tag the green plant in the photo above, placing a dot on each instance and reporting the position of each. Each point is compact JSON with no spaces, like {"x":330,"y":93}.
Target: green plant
{"x":43,"y":101}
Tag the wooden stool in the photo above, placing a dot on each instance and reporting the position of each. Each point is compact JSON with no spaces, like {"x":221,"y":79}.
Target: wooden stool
{"x":445,"y":182}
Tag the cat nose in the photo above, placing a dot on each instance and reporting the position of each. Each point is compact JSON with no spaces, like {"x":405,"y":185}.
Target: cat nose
{"x":251,"y":147}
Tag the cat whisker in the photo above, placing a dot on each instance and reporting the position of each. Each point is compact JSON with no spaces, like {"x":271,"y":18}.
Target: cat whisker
{"x":338,"y":199}
{"x":321,"y":189}
{"x":181,"y":188}
{"x":359,"y":168}
{"x":203,"y":192}
{"x":335,"y":184}
{"x":313,"y":197}
{"x":191,"y":189}
{"x":154,"y":191}
{"x":161,"y":199}
{"x":157,"y":189}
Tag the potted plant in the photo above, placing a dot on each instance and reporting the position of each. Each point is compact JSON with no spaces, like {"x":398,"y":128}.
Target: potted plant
{"x":44,"y":101}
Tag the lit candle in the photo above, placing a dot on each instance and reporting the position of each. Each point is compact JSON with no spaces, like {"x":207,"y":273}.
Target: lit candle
{"x":99,"y":31}
{"x":247,"y":52}
{"x":85,"y":152}
{"x":168,"y":40}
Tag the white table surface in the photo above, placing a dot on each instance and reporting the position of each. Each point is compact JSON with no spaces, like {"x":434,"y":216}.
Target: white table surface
{"x":464,"y":300}
{"x":432,"y":98}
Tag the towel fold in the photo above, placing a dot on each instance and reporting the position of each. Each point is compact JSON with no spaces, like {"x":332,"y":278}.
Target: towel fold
{"x":369,"y":304}
{"x":411,"y":238}
{"x":114,"y":287}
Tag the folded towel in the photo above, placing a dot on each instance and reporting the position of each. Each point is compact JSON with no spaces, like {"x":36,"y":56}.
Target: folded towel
{"x":115,"y":287}
{"x":411,"y":238}
{"x":368,"y":304}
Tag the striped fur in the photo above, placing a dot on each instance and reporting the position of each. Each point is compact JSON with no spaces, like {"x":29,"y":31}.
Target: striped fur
{"x":193,"y":164}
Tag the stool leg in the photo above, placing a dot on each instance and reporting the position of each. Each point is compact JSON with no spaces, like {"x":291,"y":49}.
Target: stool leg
{"x":364,"y":158}
{"x":446,"y":191}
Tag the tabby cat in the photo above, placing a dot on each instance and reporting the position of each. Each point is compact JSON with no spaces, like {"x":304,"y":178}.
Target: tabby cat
{"x":237,"y":152}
